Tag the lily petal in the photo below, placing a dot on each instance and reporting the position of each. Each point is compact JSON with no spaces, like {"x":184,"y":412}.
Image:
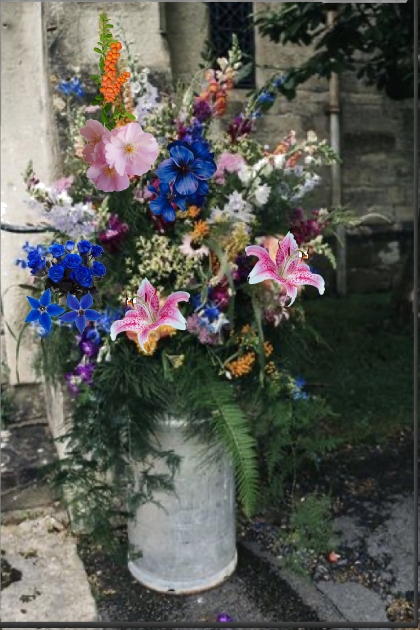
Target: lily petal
{"x":33,"y":316}
{"x":169,"y":314}
{"x":286,"y":247}
{"x":143,"y":336}
{"x":148,"y":293}
{"x":86,"y":301}
{"x":73,"y":302}
{"x":265,"y":269}
{"x":55,"y":309}
{"x":131,"y":322}
{"x":33,"y":301}
{"x":307,"y":277}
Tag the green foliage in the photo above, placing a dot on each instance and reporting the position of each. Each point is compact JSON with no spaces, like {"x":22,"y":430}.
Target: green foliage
{"x":290,"y":438}
{"x":375,"y":40}
{"x":312,"y":530}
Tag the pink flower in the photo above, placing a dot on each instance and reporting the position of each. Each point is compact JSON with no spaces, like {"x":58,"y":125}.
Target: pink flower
{"x":131,"y":151}
{"x":62,"y":184}
{"x":230,"y":162}
{"x":148,"y":315}
{"x":92,"y":109}
{"x":288,"y":270}
{"x":93,"y":132}
{"x":103,"y":175}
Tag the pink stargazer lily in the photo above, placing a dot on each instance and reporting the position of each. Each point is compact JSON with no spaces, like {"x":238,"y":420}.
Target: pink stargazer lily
{"x":288,"y":269}
{"x":147,"y":316}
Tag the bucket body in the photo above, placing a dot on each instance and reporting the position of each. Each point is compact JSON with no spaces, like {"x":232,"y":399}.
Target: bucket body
{"x":189,"y":543}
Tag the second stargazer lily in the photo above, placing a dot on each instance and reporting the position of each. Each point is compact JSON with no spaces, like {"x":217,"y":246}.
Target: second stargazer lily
{"x":288,"y":269}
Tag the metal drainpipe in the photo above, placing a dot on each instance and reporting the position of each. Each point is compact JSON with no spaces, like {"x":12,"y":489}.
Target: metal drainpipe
{"x":334,"y":113}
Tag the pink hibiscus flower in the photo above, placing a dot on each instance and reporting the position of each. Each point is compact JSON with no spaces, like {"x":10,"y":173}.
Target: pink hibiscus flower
{"x":94,"y":132}
{"x":131,"y":150}
{"x":148,"y":315}
{"x":103,"y":175}
{"x":288,"y":269}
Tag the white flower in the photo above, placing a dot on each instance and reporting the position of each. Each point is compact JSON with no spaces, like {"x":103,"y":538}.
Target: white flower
{"x":238,"y":208}
{"x":263,"y":167}
{"x":261,"y":195}
{"x":309,"y":160}
{"x":189,"y":251}
{"x":223,"y":63}
{"x":279,"y":161}
{"x":216,"y":215}
{"x":245,"y":174}
{"x":217,"y":325}
{"x":135,"y":87}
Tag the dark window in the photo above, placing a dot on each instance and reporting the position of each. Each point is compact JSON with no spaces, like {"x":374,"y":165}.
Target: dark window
{"x":226,"y":19}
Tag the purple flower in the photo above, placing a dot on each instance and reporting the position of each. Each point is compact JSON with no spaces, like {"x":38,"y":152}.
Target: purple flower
{"x":89,"y":348}
{"x":85,"y":371}
{"x":202,"y":110}
{"x":81,"y":311}
{"x":224,"y":618}
{"x":43,"y":310}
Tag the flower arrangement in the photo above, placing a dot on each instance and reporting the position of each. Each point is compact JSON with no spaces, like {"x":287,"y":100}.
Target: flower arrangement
{"x":222,"y":224}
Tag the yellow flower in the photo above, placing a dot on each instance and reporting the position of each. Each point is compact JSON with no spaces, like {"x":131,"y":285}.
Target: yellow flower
{"x":201,"y":230}
{"x":241,"y":366}
{"x":193,"y":212}
{"x":268,"y":348}
{"x":237,"y":241}
{"x":270,"y":368}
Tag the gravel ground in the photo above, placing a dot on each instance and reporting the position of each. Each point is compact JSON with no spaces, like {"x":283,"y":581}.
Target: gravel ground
{"x":254,"y":593}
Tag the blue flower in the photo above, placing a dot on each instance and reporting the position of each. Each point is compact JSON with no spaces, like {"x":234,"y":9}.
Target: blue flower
{"x":84,"y":247}
{"x":92,"y":335}
{"x":188,"y":165}
{"x":69,"y":246}
{"x":71,"y":261}
{"x":43,"y":310}
{"x":73,"y":86}
{"x":57,"y":250}
{"x":266,"y":97}
{"x":96,"y":251}
{"x":41,"y":332}
{"x":300,"y":382}
{"x":278,"y":82}
{"x":298,"y":395}
{"x":56,"y":273}
{"x":83,"y":276}
{"x":35,"y":262}
{"x":163,"y":204}
{"x":109,"y":317}
{"x":211,"y":312}
{"x":98,"y":269}
{"x":21,"y":263}
{"x":80,"y":312}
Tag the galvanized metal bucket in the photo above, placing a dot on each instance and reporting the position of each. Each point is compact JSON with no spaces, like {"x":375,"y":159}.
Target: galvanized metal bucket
{"x":190,"y":544}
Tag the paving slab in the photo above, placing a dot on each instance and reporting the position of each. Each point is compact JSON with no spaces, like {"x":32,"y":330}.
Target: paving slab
{"x":43,"y":578}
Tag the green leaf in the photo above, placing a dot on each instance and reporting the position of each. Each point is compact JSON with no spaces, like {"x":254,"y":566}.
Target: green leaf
{"x":214,"y":246}
{"x":130,"y":116}
{"x":98,"y":51}
{"x":95,"y":77}
{"x":104,"y":118}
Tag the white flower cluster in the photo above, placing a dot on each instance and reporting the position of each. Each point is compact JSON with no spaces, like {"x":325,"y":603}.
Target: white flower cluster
{"x":145,"y":95}
{"x":74,"y":220}
{"x":160,"y":260}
